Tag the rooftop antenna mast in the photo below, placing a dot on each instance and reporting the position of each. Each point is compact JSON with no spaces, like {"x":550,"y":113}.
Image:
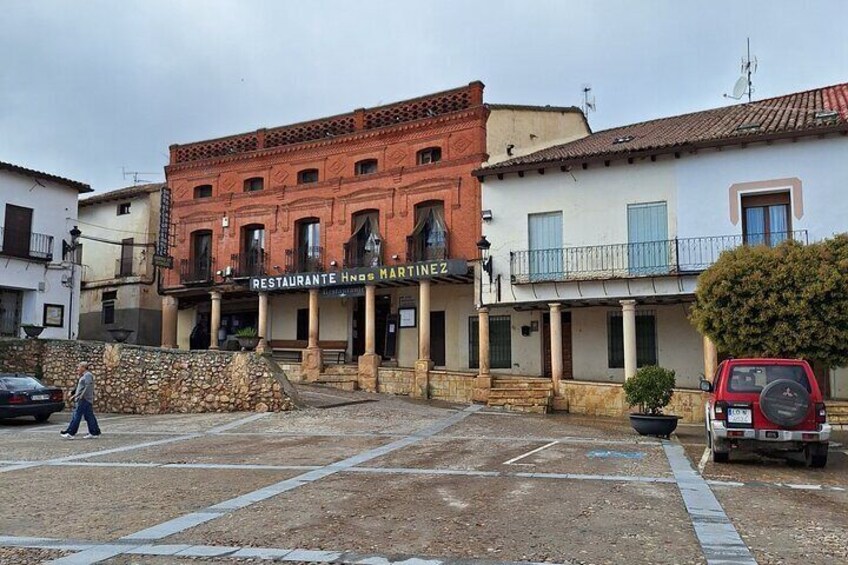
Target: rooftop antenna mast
{"x":135,"y":175}
{"x":745,"y":85}
{"x":588,"y":101}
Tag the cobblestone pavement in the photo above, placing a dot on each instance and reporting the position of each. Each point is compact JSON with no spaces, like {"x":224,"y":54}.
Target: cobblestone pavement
{"x":374,"y":479}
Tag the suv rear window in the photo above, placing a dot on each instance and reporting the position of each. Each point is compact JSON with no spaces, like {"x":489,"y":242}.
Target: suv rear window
{"x":753,"y":378}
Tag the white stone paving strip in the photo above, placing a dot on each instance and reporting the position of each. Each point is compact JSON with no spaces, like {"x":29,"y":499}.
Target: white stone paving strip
{"x":237,"y":423}
{"x":264,"y":553}
{"x":187,"y":521}
{"x":719,"y":540}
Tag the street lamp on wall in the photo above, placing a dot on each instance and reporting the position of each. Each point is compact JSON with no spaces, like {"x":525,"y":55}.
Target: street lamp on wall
{"x":70,"y":250}
{"x":486,"y":259}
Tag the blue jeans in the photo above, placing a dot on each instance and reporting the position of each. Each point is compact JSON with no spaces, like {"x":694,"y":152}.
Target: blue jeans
{"x":85,"y":410}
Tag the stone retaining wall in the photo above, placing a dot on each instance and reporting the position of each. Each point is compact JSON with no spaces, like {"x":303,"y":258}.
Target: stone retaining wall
{"x":453,"y":387}
{"x":148,"y":380}
{"x":607,"y":399}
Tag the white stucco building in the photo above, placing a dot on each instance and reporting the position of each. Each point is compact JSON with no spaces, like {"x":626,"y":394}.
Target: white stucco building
{"x":119,"y":283}
{"x":610,"y":232}
{"x":38,"y":285}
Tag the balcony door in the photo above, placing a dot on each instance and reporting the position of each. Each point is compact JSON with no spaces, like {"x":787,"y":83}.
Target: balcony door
{"x":429,"y":239}
{"x":766,"y":219}
{"x":253,"y":250}
{"x":364,"y":248}
{"x":647,"y":238}
{"x":17,"y":230}
{"x":308,"y":245}
{"x":201,"y":256}
{"x":545,"y":238}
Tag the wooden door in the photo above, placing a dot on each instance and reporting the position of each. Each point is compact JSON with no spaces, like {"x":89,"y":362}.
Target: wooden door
{"x":567,"y":368}
{"x":17,"y":230}
{"x":437,"y":338}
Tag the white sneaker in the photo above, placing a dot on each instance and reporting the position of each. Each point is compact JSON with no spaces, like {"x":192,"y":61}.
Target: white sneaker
{"x":89,"y":436}
{"x":67,"y":436}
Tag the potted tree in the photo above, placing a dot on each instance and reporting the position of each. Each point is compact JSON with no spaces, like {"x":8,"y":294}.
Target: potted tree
{"x":650,"y":389}
{"x":247,"y":338}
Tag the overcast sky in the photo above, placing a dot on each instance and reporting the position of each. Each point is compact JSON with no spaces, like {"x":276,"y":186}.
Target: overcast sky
{"x":89,"y":87}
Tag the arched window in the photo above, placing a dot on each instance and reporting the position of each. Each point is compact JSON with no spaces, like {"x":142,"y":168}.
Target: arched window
{"x":203,"y":191}
{"x":307,"y":255}
{"x":198,"y":267}
{"x":429,"y":155}
{"x":307,"y":176}
{"x":365,"y":246}
{"x":365,"y":167}
{"x":254,"y":184}
{"x":429,"y":238}
{"x":251,"y":260}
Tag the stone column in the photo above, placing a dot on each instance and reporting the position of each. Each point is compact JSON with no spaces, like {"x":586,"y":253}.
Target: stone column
{"x":369,"y":363}
{"x":313,"y":363}
{"x":169,"y":322}
{"x":483,"y":383}
{"x":262,"y":330}
{"x":424,"y":364}
{"x":556,"y":346}
{"x":710,"y":359}
{"x":215,"y":322}
{"x":628,"y":311}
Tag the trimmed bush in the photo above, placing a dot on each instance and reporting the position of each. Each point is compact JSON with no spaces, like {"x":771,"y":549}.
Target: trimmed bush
{"x":650,"y":389}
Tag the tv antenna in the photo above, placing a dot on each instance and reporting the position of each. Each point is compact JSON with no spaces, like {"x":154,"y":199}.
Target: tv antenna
{"x":588,"y":101}
{"x":744,"y":85}
{"x":135,"y":175}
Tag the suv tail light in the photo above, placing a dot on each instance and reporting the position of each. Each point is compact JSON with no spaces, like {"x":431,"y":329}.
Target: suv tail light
{"x":720,"y":410}
{"x":821,"y":413}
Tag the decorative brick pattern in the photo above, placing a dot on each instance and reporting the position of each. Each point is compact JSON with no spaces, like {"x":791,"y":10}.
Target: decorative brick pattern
{"x":310,"y":131}
{"x":217,"y":148}
{"x":427,"y":108}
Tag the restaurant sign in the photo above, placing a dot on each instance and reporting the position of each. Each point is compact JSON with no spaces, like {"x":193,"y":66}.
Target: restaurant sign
{"x":361,"y":276}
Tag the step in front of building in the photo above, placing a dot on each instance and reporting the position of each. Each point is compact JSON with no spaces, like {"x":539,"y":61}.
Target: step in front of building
{"x":837,"y":412}
{"x":521,"y":394}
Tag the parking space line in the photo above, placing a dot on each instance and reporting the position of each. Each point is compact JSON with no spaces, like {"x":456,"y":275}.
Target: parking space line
{"x":264,"y":553}
{"x":529,"y":453}
{"x":237,"y":423}
{"x":718,"y":538}
{"x":702,"y":464}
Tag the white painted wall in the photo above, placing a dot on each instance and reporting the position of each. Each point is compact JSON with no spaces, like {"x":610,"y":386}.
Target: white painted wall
{"x":54,"y":213}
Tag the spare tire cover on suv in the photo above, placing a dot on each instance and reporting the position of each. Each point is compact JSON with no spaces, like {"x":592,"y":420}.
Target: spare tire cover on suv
{"x":785,"y":402}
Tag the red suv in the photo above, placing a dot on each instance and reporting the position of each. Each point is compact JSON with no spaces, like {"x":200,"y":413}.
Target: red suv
{"x":766,"y":406}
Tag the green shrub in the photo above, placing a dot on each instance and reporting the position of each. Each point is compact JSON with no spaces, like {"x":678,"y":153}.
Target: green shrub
{"x":650,"y":389}
{"x":247,"y":331}
{"x":784,"y":301}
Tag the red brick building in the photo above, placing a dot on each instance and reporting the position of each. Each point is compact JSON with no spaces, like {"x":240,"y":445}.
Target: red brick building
{"x":389,"y":186}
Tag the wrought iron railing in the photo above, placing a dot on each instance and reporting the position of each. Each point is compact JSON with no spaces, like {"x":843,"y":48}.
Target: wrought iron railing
{"x":631,"y":260}
{"x":355,"y":256}
{"x":26,"y":245}
{"x":197,"y":271}
{"x":124,"y":267}
{"x":306,"y":259}
{"x":252,"y":263}
{"x":433,"y":247}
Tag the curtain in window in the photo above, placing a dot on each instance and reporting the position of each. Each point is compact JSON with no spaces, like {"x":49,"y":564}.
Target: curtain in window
{"x":430,"y":233}
{"x":365,"y":244}
{"x":755,"y":226}
{"x":778,"y":223}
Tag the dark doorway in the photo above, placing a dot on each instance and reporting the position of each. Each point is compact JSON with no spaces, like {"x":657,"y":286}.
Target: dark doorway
{"x":17,"y":232}
{"x":382,"y":309}
{"x":567,"y":368}
{"x":437,"y":338}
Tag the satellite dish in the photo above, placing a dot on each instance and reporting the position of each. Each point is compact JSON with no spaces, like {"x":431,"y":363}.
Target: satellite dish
{"x":739,"y":87}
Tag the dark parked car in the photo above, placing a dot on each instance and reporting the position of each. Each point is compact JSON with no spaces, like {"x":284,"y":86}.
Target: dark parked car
{"x":24,"y":395}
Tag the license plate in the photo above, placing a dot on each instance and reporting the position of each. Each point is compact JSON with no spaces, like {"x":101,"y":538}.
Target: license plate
{"x":738,"y":415}
{"x":40,"y":397}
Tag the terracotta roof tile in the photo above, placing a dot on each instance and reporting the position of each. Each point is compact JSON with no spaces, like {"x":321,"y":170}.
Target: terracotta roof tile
{"x":121,"y":193}
{"x":80,"y":186}
{"x":822,"y":109}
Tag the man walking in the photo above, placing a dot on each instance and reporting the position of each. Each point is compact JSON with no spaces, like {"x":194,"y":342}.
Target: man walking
{"x":84,"y":395}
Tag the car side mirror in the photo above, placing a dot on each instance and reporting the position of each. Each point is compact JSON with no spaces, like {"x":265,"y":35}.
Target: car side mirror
{"x":706,"y":385}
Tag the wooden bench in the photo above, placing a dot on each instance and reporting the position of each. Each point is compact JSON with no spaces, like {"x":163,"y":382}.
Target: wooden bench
{"x":332,"y":351}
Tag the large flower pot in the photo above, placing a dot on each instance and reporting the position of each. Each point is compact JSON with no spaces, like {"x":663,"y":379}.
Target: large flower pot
{"x":649,"y":425}
{"x":120,"y":335}
{"x":33,"y":331}
{"x":248,"y":343}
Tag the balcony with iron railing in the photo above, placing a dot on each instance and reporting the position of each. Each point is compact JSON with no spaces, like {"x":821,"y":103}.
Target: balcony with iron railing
{"x":305,"y":259}
{"x":26,"y":245}
{"x":197,"y":271}
{"x":251,"y":263}
{"x":428,"y":247}
{"x":633,"y":260}
{"x":357,"y":256}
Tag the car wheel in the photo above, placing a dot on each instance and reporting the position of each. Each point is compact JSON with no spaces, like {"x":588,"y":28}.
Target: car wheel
{"x":816,"y":455}
{"x":41,"y":418}
{"x":720,"y":451}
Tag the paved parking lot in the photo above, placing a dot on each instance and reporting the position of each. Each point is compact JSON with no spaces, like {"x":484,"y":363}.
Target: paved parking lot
{"x":374,"y":479}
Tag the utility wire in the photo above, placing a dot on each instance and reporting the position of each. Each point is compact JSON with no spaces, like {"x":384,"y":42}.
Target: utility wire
{"x":110,"y":229}
{"x":121,"y":243}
